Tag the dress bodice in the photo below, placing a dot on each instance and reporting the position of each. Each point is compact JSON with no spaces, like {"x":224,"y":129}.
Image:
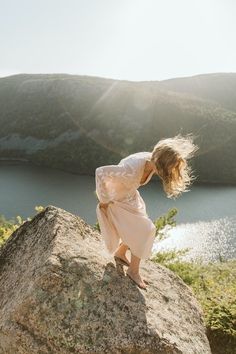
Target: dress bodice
{"x":146,"y":157}
{"x":117,"y":182}
{"x":147,"y":179}
{"x":143,"y":156}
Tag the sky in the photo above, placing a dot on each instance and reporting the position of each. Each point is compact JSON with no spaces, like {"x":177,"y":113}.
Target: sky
{"x":134,"y":40}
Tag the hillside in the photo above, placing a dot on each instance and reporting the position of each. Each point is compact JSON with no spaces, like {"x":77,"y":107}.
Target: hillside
{"x":218,"y":87}
{"x":77,"y":123}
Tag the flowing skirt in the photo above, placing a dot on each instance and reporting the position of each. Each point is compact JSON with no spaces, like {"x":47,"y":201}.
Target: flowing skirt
{"x":127,"y":220}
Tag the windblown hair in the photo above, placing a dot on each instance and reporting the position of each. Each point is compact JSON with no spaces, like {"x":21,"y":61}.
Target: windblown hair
{"x":170,"y":156}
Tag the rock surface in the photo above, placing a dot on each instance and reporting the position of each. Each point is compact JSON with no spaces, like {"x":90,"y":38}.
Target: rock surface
{"x":61,"y":293}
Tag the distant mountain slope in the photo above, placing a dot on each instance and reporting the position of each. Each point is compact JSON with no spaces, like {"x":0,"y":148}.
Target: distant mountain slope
{"x":219,"y":87}
{"x":77,"y":123}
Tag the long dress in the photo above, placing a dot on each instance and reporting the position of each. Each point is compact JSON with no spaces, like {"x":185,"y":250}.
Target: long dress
{"x":125,"y":218}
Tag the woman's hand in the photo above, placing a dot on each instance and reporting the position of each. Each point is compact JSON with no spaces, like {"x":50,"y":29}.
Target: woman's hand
{"x":104,"y":205}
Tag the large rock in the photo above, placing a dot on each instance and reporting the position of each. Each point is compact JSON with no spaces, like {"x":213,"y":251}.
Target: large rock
{"x":61,"y":293}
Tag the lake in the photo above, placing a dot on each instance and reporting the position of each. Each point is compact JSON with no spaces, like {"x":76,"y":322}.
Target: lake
{"x":206,"y":218}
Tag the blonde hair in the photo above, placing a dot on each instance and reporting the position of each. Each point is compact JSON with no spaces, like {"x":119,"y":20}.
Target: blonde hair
{"x":170,"y":156}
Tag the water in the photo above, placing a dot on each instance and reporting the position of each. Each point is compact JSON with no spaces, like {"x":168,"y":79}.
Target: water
{"x":206,"y":217}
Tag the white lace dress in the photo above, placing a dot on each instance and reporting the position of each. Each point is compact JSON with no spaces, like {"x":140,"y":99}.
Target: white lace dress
{"x":126,"y":218}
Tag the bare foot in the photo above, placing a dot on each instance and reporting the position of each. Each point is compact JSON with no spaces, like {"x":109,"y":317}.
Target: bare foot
{"x":123,"y":257}
{"x":136,"y":278}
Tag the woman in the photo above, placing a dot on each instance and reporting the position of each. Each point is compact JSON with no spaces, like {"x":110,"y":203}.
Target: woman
{"x":121,"y":210}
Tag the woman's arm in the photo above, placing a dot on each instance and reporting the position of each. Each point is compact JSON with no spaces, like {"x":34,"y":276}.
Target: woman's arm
{"x":112,"y":179}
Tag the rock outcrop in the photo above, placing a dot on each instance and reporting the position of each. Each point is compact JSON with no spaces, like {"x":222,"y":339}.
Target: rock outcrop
{"x":61,"y":293}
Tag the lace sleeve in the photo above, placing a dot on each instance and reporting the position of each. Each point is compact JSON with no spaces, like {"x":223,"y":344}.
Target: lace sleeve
{"x":113,"y":181}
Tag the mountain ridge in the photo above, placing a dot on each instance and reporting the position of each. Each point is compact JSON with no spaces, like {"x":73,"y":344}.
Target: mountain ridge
{"x":112,"y":118}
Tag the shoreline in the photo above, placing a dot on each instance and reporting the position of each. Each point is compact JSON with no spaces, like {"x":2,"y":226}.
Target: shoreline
{"x":21,"y":159}
{"x":6,"y":159}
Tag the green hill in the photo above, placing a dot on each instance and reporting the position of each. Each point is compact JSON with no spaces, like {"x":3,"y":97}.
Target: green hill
{"x":217,"y":87}
{"x":77,"y":123}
